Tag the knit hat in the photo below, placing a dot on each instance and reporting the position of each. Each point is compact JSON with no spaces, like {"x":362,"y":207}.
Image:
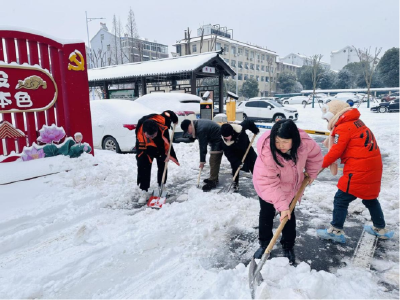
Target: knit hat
{"x":185,"y":125}
{"x":226,"y":130}
{"x":333,"y":107}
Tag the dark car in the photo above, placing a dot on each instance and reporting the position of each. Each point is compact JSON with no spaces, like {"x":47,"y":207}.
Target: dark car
{"x":392,"y":106}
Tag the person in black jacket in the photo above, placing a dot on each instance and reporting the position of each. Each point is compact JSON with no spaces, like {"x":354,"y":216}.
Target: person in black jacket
{"x":153,"y":141}
{"x":236,"y":142}
{"x":208,"y":133}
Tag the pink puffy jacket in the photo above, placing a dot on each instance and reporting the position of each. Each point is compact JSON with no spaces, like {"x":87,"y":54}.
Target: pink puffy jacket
{"x":278,"y":185}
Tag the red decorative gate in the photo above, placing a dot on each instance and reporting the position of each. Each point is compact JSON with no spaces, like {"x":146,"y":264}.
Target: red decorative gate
{"x":43,"y":81}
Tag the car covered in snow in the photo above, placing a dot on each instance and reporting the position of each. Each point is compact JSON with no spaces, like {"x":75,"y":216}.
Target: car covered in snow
{"x":297,"y":100}
{"x":267,"y":110}
{"x":114,"y":123}
{"x":392,"y":106}
{"x":186,"y":106}
{"x":345,"y":97}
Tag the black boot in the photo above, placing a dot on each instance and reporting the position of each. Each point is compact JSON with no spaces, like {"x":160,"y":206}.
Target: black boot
{"x":236,"y":187}
{"x":289,"y":253}
{"x":207,"y":180}
{"x":212,"y":184}
{"x":260,"y":251}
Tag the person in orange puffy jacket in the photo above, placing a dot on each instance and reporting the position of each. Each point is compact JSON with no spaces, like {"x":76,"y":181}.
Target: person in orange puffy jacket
{"x":356,"y":146}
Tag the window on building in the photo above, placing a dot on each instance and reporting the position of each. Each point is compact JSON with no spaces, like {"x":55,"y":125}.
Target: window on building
{"x":226,"y":48}
{"x":218,"y":46}
{"x":272,"y":70}
{"x":258,"y":55}
{"x":240,"y":64}
{"x":262,"y":68}
{"x":266,"y":79}
{"x":262,"y":57}
{"x":102,"y":37}
{"x":246,"y":53}
{"x":194,"y":48}
{"x":258,"y":67}
{"x":240,"y":76}
{"x":240,"y":51}
{"x":226,"y":60}
{"x":272,"y":79}
{"x":267,"y":68}
{"x":246,"y":66}
{"x":262,"y":78}
{"x":251,"y":76}
{"x":251,"y":66}
{"x":251,"y":54}
{"x":108,"y":47}
{"x":258,"y":78}
{"x":246,"y":76}
{"x":233,"y":63}
{"x":233,"y":50}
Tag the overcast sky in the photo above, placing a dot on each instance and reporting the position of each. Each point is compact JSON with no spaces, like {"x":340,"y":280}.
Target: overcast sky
{"x":284,"y":26}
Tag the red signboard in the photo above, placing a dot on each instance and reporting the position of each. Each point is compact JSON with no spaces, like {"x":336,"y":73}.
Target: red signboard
{"x":26,"y":89}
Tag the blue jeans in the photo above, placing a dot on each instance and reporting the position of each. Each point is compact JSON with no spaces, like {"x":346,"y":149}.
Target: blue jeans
{"x":341,"y":203}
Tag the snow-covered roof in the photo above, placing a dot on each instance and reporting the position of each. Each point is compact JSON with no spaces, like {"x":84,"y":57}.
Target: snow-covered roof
{"x":344,"y":48}
{"x":230,"y":41}
{"x":164,"y":66}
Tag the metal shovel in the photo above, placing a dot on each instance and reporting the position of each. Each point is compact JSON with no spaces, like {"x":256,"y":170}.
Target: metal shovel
{"x":255,"y":277}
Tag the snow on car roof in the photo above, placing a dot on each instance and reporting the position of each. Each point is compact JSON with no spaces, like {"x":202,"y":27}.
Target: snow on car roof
{"x":116,"y":112}
{"x":171,"y":101}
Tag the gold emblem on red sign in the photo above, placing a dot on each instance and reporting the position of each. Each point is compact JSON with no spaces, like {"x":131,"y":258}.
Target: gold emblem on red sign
{"x":31,"y":83}
{"x":79,"y":65}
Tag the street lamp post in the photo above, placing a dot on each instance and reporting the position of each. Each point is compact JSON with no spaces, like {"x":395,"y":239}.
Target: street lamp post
{"x":87,"y":30}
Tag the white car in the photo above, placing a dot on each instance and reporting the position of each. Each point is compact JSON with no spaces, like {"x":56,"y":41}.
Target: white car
{"x":297,"y":100}
{"x":186,"y":106}
{"x":318,"y":98}
{"x":114,"y":123}
{"x":345,"y":97}
{"x":267,"y":110}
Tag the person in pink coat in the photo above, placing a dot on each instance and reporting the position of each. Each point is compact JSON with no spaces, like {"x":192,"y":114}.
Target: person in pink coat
{"x":285,"y":155}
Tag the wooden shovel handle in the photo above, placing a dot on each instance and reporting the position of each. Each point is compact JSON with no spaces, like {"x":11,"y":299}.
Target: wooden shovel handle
{"x":283,"y":223}
{"x":169,"y":151}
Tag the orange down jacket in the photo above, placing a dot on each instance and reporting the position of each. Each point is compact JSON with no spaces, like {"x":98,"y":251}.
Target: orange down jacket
{"x":356,"y":146}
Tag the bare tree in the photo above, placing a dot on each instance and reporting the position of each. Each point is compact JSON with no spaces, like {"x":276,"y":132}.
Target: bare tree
{"x":133,"y":35}
{"x":270,"y":63}
{"x":201,"y":37}
{"x":187,"y":45}
{"x":115,"y":32}
{"x":369,"y":63}
{"x":121,"y":36}
{"x":315,"y":65}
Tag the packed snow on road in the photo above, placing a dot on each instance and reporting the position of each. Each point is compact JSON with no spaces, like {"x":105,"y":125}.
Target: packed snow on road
{"x":77,"y":234}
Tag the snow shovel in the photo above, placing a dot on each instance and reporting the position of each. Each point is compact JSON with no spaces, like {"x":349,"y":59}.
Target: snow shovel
{"x":198,"y":179}
{"x":158,"y":201}
{"x":238,"y":169}
{"x":255,"y":277}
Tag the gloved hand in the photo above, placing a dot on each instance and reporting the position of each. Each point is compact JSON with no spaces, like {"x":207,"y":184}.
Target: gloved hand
{"x":256,"y":130}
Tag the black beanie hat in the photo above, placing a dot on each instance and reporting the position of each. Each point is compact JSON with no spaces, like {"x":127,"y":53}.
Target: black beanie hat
{"x":185,"y":125}
{"x":226,"y":130}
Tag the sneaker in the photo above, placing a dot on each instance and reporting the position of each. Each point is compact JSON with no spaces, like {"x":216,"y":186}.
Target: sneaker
{"x":332,"y":233}
{"x":143,"y":196}
{"x":208,"y":180}
{"x":289,"y":253}
{"x":210,"y":185}
{"x":381,"y":233}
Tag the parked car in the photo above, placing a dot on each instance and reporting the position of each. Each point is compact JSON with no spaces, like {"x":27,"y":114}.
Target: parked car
{"x":346,"y":97}
{"x":318,"y":98}
{"x":388,"y":98}
{"x":267,"y":110}
{"x":392,"y":106}
{"x":186,"y":106}
{"x":298,"y":100}
{"x":114,"y":123}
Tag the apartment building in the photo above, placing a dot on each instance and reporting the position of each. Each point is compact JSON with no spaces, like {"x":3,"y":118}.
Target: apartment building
{"x":342,"y":57}
{"x":301,"y":60}
{"x":106,"y":49}
{"x":247,"y":60}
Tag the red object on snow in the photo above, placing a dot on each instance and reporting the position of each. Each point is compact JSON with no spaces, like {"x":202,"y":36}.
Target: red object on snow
{"x":156,"y":202}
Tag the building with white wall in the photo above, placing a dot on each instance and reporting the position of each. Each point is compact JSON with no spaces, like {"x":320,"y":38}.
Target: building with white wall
{"x":247,"y":60}
{"x":342,"y":57}
{"x":106,"y":49}
{"x":301,"y":60}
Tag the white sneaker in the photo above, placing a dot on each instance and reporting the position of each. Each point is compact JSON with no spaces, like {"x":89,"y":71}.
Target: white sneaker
{"x":143,"y":196}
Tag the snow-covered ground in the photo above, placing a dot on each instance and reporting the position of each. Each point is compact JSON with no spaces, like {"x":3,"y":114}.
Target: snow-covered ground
{"x":76,"y":235}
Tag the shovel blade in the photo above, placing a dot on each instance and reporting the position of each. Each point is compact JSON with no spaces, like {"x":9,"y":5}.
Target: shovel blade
{"x":255,"y":278}
{"x":156,"y":202}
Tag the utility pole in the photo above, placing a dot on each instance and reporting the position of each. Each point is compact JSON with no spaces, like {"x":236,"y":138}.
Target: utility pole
{"x":87,"y":29}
